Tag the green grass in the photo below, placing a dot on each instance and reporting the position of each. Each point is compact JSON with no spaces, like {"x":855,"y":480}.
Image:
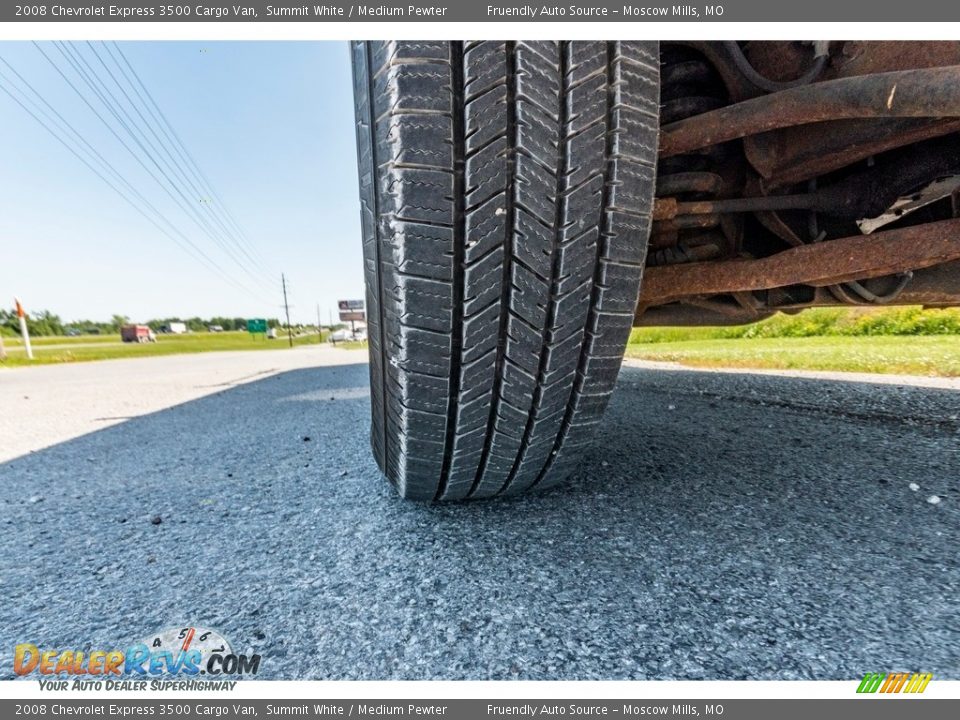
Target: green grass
{"x":826,"y":322}
{"x":937,"y":355}
{"x":15,"y":342}
{"x":907,"y":340}
{"x":84,"y":348}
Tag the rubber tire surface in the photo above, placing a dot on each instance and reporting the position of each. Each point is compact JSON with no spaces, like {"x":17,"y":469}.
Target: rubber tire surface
{"x":506,"y":192}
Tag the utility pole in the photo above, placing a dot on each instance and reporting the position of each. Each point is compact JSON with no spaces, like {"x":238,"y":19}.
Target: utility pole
{"x":319,"y":329}
{"x":286,"y":307}
{"x":333,"y":336}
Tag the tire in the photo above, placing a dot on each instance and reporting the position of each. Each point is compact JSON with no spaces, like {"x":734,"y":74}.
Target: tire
{"x":506,"y":191}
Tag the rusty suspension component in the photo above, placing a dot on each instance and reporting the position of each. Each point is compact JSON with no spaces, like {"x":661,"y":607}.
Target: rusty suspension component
{"x":863,"y":194}
{"x":935,"y":286}
{"x":669,"y":208}
{"x":799,"y":153}
{"x":927,"y":93}
{"x":691,"y":86}
{"x":821,"y":264}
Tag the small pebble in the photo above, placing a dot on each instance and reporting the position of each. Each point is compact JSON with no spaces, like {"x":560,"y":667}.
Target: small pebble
{"x":934,"y":499}
{"x":914,"y":487}
{"x":34,"y":499}
{"x":156,"y":520}
{"x":671,"y":407}
{"x":306,"y":438}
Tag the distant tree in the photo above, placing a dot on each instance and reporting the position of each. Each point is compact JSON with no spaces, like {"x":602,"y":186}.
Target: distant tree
{"x":38,"y":324}
{"x":117,"y":321}
{"x":8,"y":323}
{"x":45,"y":323}
{"x":88,"y":327}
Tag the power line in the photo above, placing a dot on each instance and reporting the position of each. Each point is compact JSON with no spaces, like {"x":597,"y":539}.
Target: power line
{"x":177,"y":167}
{"x":57,"y":120}
{"x":185,"y":154}
{"x":204,"y":258}
{"x":112,"y":104}
{"x":106,"y":123}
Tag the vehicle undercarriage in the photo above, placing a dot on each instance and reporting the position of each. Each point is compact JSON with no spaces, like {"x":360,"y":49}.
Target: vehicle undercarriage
{"x":804,"y":174}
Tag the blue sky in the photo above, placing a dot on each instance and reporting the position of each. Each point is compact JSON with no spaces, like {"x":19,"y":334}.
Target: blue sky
{"x":270,"y":125}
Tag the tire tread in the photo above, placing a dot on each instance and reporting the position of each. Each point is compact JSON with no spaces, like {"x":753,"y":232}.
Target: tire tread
{"x":506,"y":192}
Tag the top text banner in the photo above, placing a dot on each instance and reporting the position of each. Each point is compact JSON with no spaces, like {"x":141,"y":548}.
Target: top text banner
{"x":645,"y":11}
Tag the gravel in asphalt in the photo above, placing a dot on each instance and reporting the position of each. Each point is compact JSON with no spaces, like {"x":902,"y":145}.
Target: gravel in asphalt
{"x":724,"y":527}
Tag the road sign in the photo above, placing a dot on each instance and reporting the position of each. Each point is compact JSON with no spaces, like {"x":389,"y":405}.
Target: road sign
{"x":256,"y":325}
{"x":351,"y":311}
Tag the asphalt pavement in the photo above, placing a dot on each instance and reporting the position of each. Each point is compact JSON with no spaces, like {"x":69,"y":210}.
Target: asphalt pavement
{"x":726,"y":526}
{"x":47,"y":404}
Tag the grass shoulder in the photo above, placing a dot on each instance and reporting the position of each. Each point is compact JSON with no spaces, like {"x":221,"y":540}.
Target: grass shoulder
{"x":85,"y":348}
{"x":936,"y":355}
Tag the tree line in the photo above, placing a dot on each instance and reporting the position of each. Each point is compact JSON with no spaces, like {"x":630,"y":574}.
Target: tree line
{"x":46,"y":323}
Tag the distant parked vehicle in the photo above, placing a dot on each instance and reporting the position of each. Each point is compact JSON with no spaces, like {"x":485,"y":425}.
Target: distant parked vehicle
{"x":344,"y":335}
{"x":137,"y":334}
{"x":72,"y":332}
{"x":215,"y":328}
{"x":174,"y":328}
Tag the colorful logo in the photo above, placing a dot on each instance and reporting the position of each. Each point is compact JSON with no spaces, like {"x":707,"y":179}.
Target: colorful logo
{"x":894,"y":682}
{"x":177,"y":651}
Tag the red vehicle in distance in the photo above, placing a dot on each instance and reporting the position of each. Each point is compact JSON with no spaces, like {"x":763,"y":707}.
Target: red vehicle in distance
{"x":137,"y":334}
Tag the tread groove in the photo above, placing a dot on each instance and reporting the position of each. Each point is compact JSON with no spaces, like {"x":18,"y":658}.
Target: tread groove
{"x":577,"y":388}
{"x":555,"y":270}
{"x":511,"y":134}
{"x":459,"y":248}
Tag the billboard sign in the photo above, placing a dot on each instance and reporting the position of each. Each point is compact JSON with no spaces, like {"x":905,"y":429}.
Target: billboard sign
{"x":351,"y":311}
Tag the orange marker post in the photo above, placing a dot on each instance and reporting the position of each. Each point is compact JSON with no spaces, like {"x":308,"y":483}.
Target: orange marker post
{"x":24,"y":333}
